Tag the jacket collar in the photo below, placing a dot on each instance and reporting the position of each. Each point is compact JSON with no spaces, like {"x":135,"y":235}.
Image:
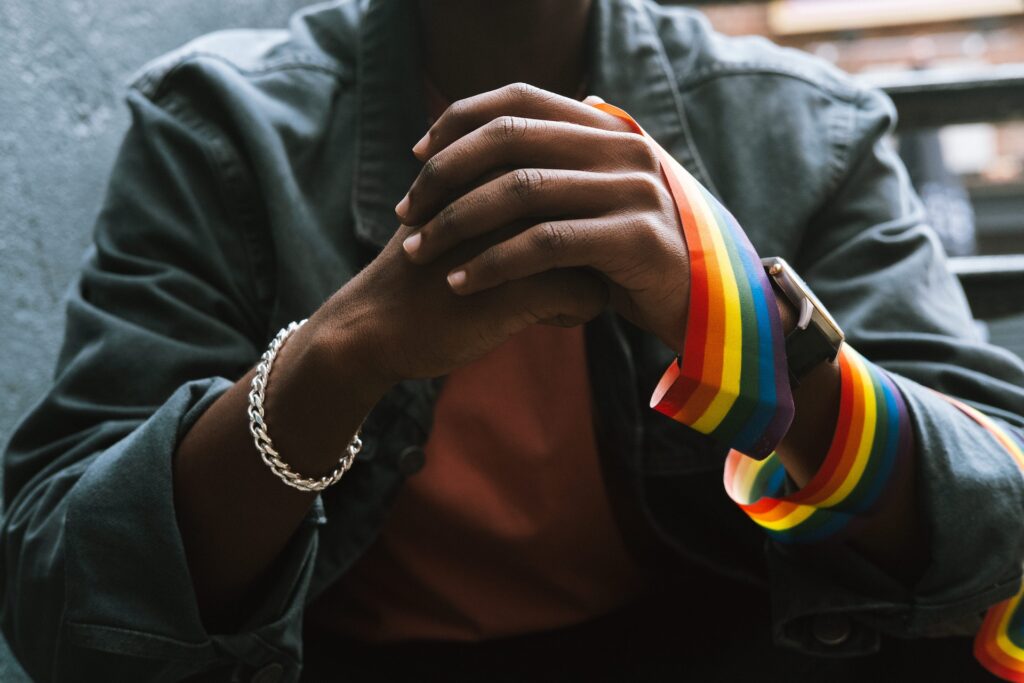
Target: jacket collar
{"x":629,"y":68}
{"x":391,"y":116}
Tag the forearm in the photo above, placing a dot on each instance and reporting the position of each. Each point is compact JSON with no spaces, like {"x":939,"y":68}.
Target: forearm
{"x":235,"y":515}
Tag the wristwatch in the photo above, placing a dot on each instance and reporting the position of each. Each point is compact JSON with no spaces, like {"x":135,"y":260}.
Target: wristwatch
{"x":817,"y":336}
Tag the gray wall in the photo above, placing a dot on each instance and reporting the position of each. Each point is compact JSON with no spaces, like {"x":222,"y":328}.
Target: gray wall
{"x":63,"y":69}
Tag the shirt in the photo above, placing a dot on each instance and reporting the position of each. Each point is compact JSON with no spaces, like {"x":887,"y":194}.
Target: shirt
{"x":507,"y":529}
{"x":261,"y":172}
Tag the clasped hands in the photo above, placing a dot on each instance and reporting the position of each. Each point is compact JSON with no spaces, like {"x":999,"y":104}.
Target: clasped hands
{"x":539,"y":182}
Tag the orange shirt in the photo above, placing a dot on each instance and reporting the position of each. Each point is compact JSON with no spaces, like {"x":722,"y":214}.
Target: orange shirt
{"x":507,"y":529}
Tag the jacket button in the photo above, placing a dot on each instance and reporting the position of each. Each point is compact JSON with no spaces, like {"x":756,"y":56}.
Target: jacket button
{"x":411,"y":460}
{"x":271,"y":673}
{"x":831,"y":629}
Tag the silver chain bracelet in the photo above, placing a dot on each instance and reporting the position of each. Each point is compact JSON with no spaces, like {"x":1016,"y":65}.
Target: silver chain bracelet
{"x":258,"y":425}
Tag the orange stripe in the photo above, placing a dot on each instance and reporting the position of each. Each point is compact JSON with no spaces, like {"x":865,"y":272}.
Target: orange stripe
{"x":712,"y":361}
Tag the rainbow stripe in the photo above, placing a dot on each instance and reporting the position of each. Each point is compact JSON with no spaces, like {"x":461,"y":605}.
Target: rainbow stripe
{"x":872,"y":440}
{"x":873,"y":437}
{"x":999,"y":643}
{"x":731,"y":381}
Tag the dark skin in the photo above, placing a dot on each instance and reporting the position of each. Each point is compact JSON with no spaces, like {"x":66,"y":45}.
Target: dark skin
{"x":583,"y":221}
{"x":613,"y":214}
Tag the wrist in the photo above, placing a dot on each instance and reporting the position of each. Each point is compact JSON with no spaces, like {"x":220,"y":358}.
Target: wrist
{"x":816,"y":401}
{"x":318,"y":393}
{"x":345,"y":357}
{"x":787,"y":313}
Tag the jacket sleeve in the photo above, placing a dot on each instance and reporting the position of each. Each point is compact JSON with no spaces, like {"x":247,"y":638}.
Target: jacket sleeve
{"x":883,"y":274}
{"x":164,"y":316}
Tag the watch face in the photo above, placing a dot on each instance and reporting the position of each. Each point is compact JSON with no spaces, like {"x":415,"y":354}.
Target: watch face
{"x":797,"y":290}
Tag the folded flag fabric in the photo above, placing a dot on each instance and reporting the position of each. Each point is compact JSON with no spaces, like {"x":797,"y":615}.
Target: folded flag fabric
{"x":873,"y":440}
{"x":999,"y":644}
{"x":731,"y":382}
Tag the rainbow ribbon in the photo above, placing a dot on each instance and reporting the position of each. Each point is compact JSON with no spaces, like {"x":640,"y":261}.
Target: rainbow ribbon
{"x":873,"y":438}
{"x":731,"y":381}
{"x":732,"y":384}
{"x":999,"y":644}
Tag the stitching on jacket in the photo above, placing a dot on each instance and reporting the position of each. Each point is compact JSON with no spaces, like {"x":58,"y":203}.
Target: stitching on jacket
{"x":222,"y":163}
{"x":840,"y":131}
{"x":668,"y":67}
{"x":750,"y":68}
{"x":86,"y":634}
{"x":152,"y":83}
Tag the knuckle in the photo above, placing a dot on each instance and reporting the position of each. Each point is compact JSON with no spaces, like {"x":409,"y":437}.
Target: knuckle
{"x":509,"y":128}
{"x":487,"y":265}
{"x":526,"y":182}
{"x":519,"y":91}
{"x":648,"y":186}
{"x":448,"y":219}
{"x":554,"y":237}
{"x":643,"y":233}
{"x":431,"y":171}
{"x":455,"y":112}
{"x":516,"y":93}
{"x":643,"y":153}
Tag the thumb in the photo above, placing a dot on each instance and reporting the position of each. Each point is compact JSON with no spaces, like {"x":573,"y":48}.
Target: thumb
{"x":593,"y":99}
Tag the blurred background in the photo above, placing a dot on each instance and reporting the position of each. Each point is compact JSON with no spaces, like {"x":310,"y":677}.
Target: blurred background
{"x":954,"y":68}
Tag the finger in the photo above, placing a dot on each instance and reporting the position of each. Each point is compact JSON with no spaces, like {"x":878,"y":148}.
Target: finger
{"x":531,"y":193}
{"x":515,"y":142}
{"x":568,"y":296}
{"x":597,"y":243}
{"x":518,"y":99}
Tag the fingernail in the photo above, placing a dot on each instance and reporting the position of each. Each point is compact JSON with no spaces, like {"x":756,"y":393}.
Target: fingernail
{"x":457,"y":278}
{"x":412,"y":243}
{"x":421,"y":146}
{"x":402,"y":206}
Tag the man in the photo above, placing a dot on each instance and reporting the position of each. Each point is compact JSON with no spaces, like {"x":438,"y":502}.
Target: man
{"x":529,"y":516}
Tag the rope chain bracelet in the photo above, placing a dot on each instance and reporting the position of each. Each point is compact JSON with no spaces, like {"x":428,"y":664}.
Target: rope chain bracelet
{"x":261,"y":437}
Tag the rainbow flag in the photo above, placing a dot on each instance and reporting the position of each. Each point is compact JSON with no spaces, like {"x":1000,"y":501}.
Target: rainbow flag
{"x":873,"y":438}
{"x":731,"y":381}
{"x":999,"y":644}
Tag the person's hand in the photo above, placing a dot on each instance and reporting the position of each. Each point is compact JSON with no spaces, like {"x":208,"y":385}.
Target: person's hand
{"x":590,"y":190}
{"x":406,"y":323}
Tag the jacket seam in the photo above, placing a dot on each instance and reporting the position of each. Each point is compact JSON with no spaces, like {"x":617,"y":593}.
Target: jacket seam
{"x":715,"y":71}
{"x":154,"y":83}
{"x":223,"y":163}
{"x":677,"y":100}
{"x":84,"y":628}
{"x":841,"y":138}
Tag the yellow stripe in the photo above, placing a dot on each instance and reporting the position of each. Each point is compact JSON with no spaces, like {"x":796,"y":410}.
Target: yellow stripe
{"x":867,"y":436}
{"x":732,"y":361}
{"x":794,"y":518}
{"x":1005,"y":644}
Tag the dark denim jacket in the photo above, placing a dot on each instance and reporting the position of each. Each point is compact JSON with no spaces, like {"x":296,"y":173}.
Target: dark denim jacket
{"x":260,"y":173}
